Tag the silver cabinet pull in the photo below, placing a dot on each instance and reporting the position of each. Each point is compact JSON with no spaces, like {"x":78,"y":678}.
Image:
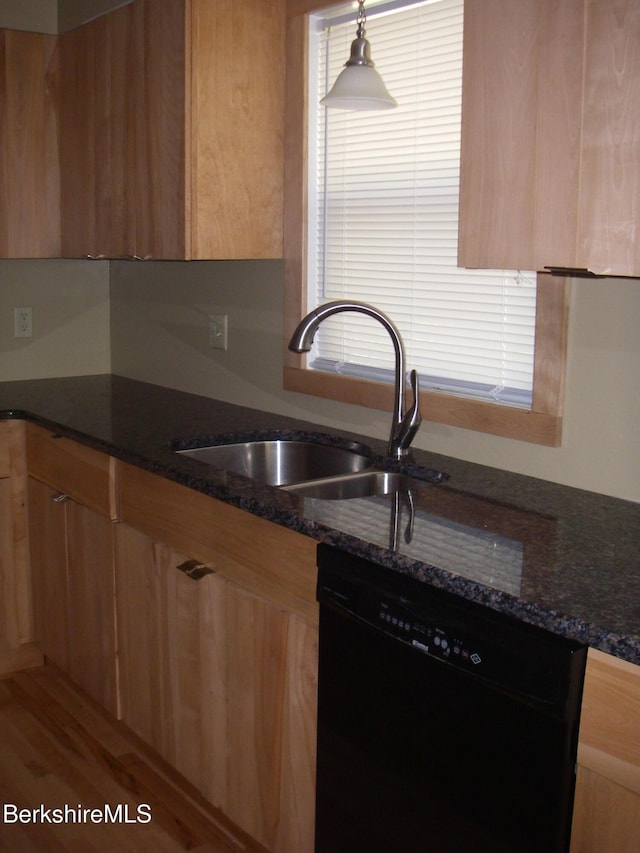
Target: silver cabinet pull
{"x":60,"y":498}
{"x":194,"y":570}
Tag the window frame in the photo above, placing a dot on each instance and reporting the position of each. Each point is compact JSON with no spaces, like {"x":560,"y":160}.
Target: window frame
{"x":541,"y":424}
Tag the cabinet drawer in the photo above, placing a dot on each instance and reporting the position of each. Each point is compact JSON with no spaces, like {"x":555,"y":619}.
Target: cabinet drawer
{"x":262,"y":557}
{"x":86,"y":475}
{"x":609,"y":741}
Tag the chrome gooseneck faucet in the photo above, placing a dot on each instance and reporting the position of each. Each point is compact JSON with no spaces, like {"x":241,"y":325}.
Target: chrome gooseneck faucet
{"x":405,"y":423}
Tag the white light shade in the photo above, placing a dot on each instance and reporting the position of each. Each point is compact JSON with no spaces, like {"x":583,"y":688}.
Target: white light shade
{"x":359,"y":87}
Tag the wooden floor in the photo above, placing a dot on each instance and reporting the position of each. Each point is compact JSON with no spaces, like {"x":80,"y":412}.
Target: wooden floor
{"x":58,"y":749}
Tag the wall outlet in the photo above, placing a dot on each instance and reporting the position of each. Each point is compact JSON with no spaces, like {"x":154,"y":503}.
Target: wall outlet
{"x":218,"y":331}
{"x":22,"y":322}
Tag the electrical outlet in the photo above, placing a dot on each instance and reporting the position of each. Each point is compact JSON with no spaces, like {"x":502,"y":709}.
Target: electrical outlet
{"x":22,"y":322}
{"x":218,"y":331}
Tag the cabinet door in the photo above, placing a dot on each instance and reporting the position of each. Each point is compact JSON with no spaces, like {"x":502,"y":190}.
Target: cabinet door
{"x":48,"y":544}
{"x":73,"y":589}
{"x":521,"y":122}
{"x":90,"y":603}
{"x":608,"y":227}
{"x":9,"y":635}
{"x":156,"y":111}
{"x":171,"y":637}
{"x":29,"y":172}
{"x":235,"y":135}
{"x":607,"y":803}
{"x":17,"y":649}
{"x":271,"y":730}
{"x":96,"y":105}
{"x":223,"y":685}
{"x":606,"y":816}
{"x":550,"y":171}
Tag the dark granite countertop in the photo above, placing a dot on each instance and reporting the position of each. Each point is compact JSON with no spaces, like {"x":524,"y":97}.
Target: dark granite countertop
{"x":560,"y":558}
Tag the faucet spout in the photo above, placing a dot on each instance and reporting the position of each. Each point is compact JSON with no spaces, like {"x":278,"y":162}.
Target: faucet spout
{"x":405,"y":423}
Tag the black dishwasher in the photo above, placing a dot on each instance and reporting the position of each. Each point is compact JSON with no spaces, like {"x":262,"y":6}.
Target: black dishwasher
{"x":442,"y":725}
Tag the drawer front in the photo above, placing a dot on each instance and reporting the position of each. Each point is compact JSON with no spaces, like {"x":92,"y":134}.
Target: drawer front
{"x":86,"y":475}
{"x":262,"y":557}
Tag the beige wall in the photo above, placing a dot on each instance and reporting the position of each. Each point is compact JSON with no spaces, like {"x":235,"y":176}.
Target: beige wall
{"x":38,"y":16}
{"x":148,"y":320}
{"x":52,"y":16}
{"x":159,"y":334}
{"x":70,"y":304}
{"x":72,"y":13}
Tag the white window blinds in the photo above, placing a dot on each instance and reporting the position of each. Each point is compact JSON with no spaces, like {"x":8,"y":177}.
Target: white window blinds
{"x":383,"y":216}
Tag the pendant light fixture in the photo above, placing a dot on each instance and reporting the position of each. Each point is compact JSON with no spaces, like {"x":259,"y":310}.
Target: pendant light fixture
{"x":359,"y":86}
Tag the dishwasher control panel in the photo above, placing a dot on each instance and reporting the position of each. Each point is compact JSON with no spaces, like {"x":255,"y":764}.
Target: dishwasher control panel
{"x":429,"y":637}
{"x":483,"y":643}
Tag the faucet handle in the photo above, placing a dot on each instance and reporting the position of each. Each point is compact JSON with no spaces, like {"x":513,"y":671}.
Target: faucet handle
{"x":408,"y":426}
{"x":413,"y":418}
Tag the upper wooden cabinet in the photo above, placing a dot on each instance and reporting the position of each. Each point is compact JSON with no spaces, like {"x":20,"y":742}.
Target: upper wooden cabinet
{"x":169,"y":117}
{"x":29,"y":171}
{"x":172,"y":131}
{"x":551,"y":136}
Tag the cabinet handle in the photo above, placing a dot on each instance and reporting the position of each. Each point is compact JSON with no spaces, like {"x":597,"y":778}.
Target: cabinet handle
{"x":194,"y":570}
{"x":60,"y":498}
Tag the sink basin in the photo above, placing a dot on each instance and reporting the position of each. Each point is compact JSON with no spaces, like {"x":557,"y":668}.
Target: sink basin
{"x":279,"y":462}
{"x":360,"y":485}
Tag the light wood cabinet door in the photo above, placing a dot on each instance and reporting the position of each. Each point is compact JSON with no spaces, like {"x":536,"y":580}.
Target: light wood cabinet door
{"x":48,"y":545}
{"x":223,"y":685}
{"x":271,"y":730}
{"x":235,"y":131}
{"x":17,"y":649}
{"x":550,"y":168}
{"x":29,"y":169}
{"x":171,"y":638}
{"x":609,"y":211}
{"x":96,"y":104}
{"x":72,"y":565}
{"x":607,"y":801}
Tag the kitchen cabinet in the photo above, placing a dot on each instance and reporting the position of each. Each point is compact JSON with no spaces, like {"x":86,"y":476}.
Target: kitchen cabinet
{"x":96,"y":106}
{"x":550,"y":171}
{"x":172,"y":131}
{"x":607,"y":803}
{"x":229,"y":661}
{"x":17,"y":649}
{"x":29,"y":169}
{"x":70,"y":507}
{"x":171,"y":641}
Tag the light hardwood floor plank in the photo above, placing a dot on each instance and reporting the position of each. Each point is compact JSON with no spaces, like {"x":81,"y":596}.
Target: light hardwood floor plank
{"x":58,"y":748}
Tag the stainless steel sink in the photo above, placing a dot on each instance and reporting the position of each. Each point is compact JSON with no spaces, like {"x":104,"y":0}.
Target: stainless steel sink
{"x":279,"y":462}
{"x":360,"y":485}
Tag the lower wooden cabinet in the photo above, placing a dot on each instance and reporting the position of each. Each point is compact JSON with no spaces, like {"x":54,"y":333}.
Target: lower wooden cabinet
{"x":607,"y":802}
{"x":171,"y":653}
{"x":222,"y":684}
{"x":17,"y":649}
{"x":72,"y":569}
{"x":271,"y":659}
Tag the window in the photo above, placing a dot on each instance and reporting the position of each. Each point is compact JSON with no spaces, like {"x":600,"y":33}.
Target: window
{"x":383,"y":228}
